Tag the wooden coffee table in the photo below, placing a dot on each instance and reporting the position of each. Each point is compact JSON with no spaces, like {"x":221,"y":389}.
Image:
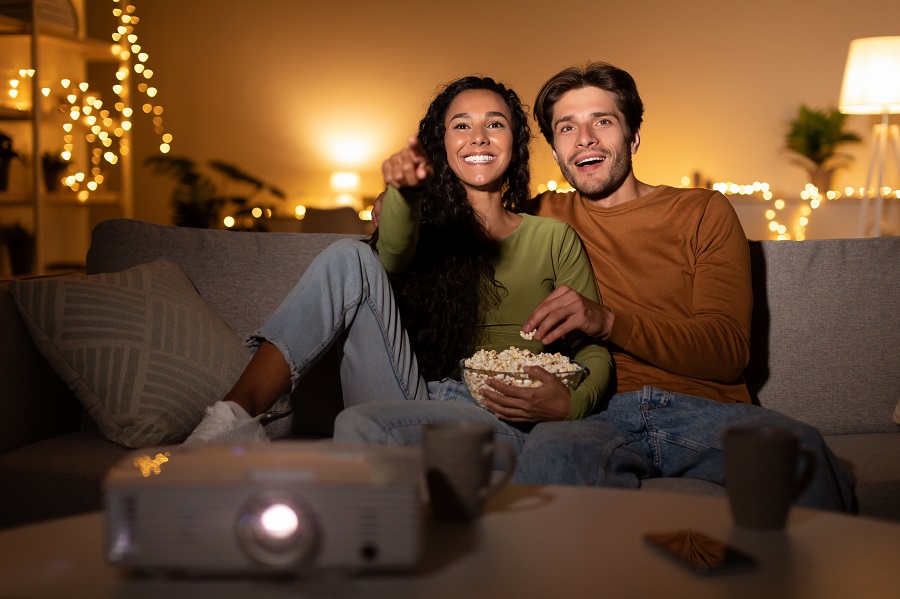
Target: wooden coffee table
{"x":540,"y":542}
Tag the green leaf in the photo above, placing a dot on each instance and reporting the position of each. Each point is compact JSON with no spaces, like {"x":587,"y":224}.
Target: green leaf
{"x":815,"y":136}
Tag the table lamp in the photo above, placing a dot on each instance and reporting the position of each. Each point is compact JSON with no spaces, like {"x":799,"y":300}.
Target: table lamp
{"x":872,"y":86}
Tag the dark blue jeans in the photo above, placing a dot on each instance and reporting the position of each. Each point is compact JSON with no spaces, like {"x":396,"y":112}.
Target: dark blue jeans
{"x":655,"y":433}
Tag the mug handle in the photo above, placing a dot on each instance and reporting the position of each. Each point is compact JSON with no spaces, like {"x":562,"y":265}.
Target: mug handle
{"x":498,"y":484}
{"x":808,"y":463}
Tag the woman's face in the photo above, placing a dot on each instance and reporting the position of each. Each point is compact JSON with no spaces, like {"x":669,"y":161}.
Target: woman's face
{"x":479,"y":139}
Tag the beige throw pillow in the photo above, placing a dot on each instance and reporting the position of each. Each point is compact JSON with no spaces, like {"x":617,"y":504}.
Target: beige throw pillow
{"x":140,"y":348}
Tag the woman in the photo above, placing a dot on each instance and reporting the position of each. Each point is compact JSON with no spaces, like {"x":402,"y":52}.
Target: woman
{"x":467,"y":269}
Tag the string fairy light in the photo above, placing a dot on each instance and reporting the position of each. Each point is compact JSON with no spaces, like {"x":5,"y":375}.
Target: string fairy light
{"x":104,"y":127}
{"x":812,"y":197}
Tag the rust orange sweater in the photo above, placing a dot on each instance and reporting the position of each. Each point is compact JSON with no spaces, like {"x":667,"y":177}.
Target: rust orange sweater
{"x":674,"y":266}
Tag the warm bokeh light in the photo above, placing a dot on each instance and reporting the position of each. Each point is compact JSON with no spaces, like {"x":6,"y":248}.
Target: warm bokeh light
{"x":344,"y":181}
{"x":349,"y":150}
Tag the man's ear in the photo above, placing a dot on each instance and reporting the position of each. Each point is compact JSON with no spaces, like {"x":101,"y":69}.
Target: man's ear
{"x":555,"y":157}
{"x":636,"y":142}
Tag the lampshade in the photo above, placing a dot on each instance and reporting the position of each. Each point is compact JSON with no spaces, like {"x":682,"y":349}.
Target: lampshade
{"x":872,"y":76}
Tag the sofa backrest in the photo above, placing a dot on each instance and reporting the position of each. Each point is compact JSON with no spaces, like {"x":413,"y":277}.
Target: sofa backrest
{"x":242,"y":276}
{"x":825,"y":337}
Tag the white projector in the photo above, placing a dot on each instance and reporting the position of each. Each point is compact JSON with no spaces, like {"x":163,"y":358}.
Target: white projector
{"x":286,"y":507}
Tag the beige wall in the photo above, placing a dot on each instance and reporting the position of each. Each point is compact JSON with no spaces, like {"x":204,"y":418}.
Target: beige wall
{"x":270,"y":86}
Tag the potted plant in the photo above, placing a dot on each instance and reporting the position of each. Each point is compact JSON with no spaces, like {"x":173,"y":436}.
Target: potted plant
{"x":53,"y":165}
{"x":194,"y":201}
{"x":7,"y":154}
{"x":815,"y":137}
{"x":197,"y":201}
{"x":19,"y":244}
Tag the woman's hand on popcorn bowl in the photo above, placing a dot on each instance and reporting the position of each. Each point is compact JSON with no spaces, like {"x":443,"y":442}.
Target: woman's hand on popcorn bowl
{"x":548,"y":401}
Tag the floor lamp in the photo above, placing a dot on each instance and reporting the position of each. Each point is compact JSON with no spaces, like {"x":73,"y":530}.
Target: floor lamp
{"x":872,"y":86}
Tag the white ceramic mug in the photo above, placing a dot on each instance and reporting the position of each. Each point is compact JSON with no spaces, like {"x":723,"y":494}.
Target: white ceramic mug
{"x":458,"y":458}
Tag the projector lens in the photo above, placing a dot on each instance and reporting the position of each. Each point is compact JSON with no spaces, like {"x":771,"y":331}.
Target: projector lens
{"x":276,"y":530}
{"x":279,"y":521}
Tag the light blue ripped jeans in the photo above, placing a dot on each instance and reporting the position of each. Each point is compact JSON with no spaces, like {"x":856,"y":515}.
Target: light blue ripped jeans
{"x":345,"y":299}
{"x":653,"y":433}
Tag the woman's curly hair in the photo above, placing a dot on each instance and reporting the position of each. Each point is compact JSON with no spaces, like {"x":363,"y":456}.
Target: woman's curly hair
{"x":450,"y":284}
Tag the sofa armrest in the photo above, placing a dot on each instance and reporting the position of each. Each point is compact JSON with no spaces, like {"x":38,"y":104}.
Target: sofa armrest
{"x":34,"y":403}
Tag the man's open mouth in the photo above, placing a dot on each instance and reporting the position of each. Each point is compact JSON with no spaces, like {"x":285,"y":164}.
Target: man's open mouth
{"x":590,"y":161}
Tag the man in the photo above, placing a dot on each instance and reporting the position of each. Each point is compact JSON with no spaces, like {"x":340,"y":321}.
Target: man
{"x":673,"y":270}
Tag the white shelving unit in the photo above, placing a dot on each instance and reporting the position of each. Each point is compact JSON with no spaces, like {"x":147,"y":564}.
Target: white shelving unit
{"x":56,"y":49}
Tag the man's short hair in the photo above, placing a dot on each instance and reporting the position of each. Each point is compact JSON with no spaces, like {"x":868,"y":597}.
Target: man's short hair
{"x":594,"y":74}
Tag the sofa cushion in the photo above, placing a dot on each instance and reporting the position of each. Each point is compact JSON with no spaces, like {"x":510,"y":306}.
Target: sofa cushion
{"x":140,"y":349}
{"x":57,"y":477}
{"x":874,"y":463}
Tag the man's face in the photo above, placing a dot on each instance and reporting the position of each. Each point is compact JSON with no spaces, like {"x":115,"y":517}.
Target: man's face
{"x":590,"y":143}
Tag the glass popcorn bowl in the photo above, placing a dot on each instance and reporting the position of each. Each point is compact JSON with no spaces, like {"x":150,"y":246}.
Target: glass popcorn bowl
{"x":475,"y":378}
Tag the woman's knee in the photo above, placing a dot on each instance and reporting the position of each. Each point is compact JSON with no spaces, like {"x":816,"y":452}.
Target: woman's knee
{"x":348,"y":248}
{"x":356,"y":425}
{"x":380,"y":422}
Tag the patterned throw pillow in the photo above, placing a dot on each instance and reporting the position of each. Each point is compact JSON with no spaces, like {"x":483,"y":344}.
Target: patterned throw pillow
{"x":140,"y":348}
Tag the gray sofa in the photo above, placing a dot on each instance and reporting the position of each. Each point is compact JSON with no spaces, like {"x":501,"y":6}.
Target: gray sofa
{"x":825,"y":350}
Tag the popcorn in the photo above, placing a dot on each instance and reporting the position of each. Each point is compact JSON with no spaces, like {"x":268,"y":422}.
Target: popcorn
{"x":515,"y":360}
{"x":508,"y":366}
{"x":526,"y":336}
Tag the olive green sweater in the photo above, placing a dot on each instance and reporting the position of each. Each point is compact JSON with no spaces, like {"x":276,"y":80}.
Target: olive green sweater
{"x":539,"y":256}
